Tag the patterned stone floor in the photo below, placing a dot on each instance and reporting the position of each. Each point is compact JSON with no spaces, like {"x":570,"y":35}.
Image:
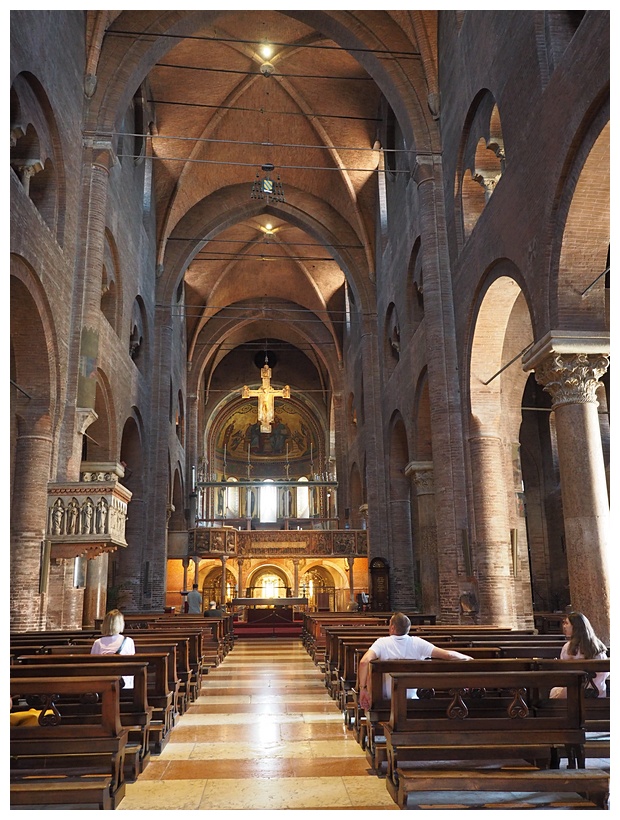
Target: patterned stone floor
{"x":265,"y":735}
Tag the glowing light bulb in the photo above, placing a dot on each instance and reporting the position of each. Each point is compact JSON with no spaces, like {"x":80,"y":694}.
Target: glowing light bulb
{"x":266,"y":50}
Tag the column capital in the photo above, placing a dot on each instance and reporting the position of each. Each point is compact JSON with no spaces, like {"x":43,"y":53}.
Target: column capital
{"x":569,"y":365}
{"x":566,"y":342}
{"x":422,"y":476}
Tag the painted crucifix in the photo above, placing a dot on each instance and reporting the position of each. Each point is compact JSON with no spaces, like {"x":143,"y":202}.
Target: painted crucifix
{"x":266,"y":395}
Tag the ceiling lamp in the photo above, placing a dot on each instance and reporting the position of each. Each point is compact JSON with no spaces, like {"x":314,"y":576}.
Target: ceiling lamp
{"x":267,"y":188}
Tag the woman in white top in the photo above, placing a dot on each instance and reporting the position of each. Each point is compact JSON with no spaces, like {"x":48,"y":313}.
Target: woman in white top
{"x":582,"y":644}
{"x":113,"y":642}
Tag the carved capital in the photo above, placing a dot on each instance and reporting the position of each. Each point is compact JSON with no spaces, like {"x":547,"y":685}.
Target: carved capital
{"x":572,"y":378}
{"x":421,"y":475}
{"x":85,"y":417}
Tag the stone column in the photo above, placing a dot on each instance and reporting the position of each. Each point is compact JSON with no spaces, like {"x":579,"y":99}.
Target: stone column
{"x":240,"y":579}
{"x":95,"y":593}
{"x":350,"y":564}
{"x":223,"y":558}
{"x":492,"y":546}
{"x":33,"y":451}
{"x":425,"y":542}
{"x":295,"y":577}
{"x":569,"y":367}
{"x":185,"y":568}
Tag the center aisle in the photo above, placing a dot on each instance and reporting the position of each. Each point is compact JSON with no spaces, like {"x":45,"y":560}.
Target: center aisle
{"x":264,"y":734}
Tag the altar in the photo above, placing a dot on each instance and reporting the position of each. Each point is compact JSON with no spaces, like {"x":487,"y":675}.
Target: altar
{"x":269,"y":610}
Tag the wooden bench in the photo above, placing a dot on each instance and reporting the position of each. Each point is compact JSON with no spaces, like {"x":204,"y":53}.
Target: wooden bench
{"x":369,"y":724}
{"x":135,"y":712}
{"x":485,"y":717}
{"x":159,"y":693}
{"x":58,"y":763}
{"x":596,"y":709}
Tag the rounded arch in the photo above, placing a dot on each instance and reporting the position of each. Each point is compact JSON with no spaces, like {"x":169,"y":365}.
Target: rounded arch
{"x":267,"y":571}
{"x":178,"y":521}
{"x":36,"y":151}
{"x":33,"y":337}
{"x":497,"y":381}
{"x":480,"y":163}
{"x":356,"y":492}
{"x":102,"y":437}
{"x":579,"y":286}
{"x":391,"y":338}
{"x":502,"y":332}
{"x":423,"y":441}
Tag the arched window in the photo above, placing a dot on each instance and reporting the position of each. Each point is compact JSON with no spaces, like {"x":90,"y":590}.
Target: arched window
{"x":268,"y":502}
{"x":232,"y":500}
{"x":303,"y":498}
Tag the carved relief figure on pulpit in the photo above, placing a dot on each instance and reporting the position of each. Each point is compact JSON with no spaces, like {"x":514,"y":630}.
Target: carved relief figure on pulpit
{"x":102,"y":515}
{"x":58,"y":515}
{"x":87,"y":517}
{"x":72,"y":517}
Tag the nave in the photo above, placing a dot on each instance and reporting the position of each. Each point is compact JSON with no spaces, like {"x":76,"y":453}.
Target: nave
{"x":264,"y":734}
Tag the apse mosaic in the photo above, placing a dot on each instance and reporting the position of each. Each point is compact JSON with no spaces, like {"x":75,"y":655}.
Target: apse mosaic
{"x":290,"y":434}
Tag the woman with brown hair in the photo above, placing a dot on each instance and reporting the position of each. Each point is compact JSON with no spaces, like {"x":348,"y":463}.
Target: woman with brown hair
{"x":582,"y":644}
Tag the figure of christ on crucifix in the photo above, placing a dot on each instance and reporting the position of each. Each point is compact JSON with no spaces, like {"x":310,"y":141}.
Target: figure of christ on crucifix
{"x":266,"y":395}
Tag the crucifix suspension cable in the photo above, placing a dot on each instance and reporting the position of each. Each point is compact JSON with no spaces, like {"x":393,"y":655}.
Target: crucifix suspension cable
{"x":266,"y":395}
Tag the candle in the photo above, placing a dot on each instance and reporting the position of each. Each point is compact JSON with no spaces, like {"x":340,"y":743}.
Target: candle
{"x":287,"y":450}
{"x":310,"y":451}
{"x":224,"y":454}
{"x":248,"y":453}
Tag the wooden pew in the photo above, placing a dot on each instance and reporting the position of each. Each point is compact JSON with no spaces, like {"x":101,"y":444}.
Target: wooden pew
{"x":59,"y":763}
{"x":159,"y":693}
{"x":369,"y":723}
{"x":135,"y":711}
{"x":596,"y":709}
{"x":460,"y":728}
{"x":148,"y":642}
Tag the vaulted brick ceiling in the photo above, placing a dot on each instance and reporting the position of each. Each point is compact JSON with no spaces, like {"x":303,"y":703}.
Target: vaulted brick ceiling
{"x":265,"y":270}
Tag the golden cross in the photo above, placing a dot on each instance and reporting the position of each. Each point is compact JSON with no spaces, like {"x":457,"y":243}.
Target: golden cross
{"x":266,"y":395}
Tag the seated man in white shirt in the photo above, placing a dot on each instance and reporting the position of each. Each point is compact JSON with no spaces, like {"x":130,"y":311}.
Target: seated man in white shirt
{"x":399,"y":645}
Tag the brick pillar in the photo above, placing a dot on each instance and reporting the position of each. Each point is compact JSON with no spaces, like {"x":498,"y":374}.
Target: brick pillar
{"x":443,"y":383}
{"x":376,"y":498}
{"x":151,"y":538}
{"x":95,"y":195}
{"x":569,"y":367}
{"x":33,"y":451}
{"x":425,"y":540}
{"x":492,"y":547}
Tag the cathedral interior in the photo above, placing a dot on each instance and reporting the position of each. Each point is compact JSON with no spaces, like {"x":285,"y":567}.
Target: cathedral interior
{"x":310,"y":304}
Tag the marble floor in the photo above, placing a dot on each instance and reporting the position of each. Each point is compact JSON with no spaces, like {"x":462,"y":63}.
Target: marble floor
{"x":265,"y":735}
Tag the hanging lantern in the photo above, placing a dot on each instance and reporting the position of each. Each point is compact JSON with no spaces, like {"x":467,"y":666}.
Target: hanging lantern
{"x":266,"y":187}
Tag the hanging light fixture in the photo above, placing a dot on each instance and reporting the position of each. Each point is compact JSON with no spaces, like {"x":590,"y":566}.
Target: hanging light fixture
{"x":267,"y":188}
